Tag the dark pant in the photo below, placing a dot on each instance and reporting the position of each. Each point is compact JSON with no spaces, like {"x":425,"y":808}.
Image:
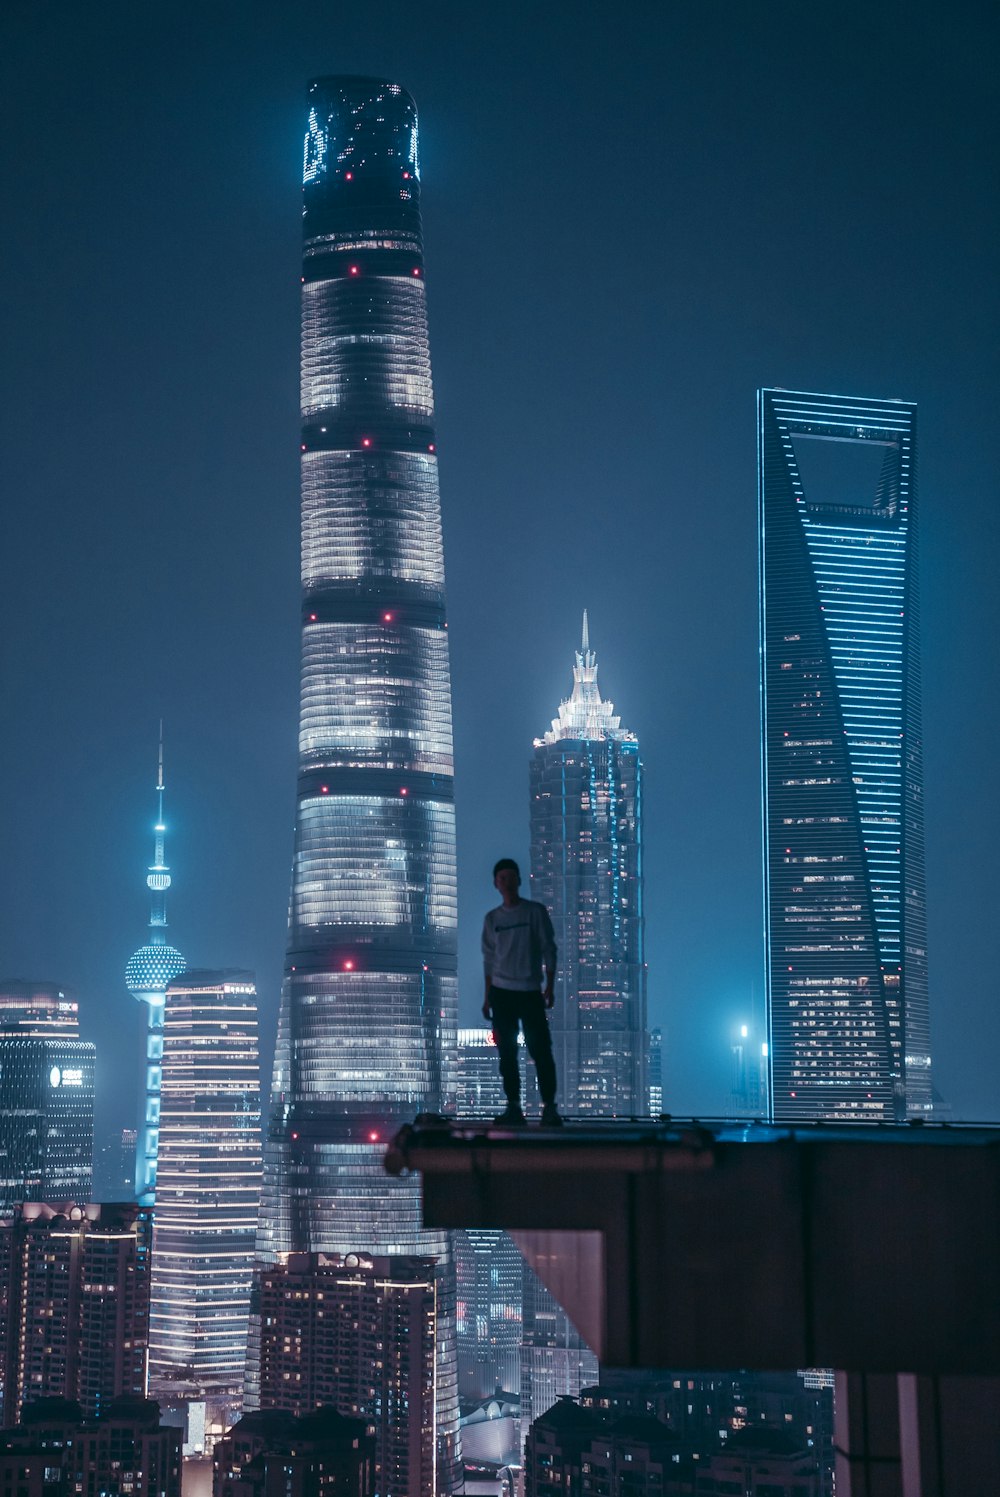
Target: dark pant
{"x":528,"y":1009}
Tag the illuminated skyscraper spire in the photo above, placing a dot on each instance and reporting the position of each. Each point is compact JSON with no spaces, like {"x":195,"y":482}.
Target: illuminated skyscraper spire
{"x":583,"y":714}
{"x":148,"y":973}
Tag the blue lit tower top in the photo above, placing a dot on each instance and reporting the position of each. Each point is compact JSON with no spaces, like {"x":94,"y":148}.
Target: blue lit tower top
{"x":153,"y":967}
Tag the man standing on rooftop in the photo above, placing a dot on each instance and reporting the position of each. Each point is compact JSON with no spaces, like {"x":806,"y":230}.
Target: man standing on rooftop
{"x":518,"y":942}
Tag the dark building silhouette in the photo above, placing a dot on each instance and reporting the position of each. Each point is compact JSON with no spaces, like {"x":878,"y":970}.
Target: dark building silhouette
{"x":273,"y":1454}
{"x":842,"y":759}
{"x":366,"y":1032}
{"x":124,"y":1452}
{"x":600,"y":1448}
{"x":74,"y":1292}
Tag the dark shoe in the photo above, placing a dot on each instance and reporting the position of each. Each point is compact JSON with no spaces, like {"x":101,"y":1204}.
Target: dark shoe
{"x":550,"y":1116}
{"x":511,"y":1117}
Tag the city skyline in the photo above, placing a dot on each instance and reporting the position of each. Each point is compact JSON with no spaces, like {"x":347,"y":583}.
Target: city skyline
{"x":848,"y":308}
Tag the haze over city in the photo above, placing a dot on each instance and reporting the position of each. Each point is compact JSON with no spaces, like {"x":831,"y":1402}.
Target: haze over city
{"x":631,"y":222}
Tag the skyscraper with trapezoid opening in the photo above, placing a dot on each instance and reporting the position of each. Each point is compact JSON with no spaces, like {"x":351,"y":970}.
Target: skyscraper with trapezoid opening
{"x":367,"y":1021}
{"x":845,"y":919}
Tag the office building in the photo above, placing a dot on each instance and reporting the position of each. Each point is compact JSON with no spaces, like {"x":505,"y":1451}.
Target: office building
{"x":478,"y":1090}
{"x":148,"y":973}
{"x":272,"y":1454}
{"x":586,"y":868}
{"x":74,"y":1282}
{"x":556,"y":1362}
{"x":654,"y":1072}
{"x":488,"y":1270}
{"x":366,"y":1031}
{"x":748,"y":1073}
{"x":46,"y":1117}
{"x":207,"y":1193}
{"x":845,"y":919}
{"x":359,"y":1334}
{"x":38,"y":1010}
{"x":114,"y":1165}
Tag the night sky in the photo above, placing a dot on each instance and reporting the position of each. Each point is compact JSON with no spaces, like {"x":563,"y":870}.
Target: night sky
{"x":633,"y":217}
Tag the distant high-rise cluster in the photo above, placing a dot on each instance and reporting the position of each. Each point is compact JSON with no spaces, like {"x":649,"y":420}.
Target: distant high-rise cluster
{"x":207,"y":1191}
{"x":46,"y":1096}
{"x":366,"y":1031}
{"x":842,"y":758}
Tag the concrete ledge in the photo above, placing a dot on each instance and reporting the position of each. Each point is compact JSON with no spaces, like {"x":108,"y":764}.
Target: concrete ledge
{"x":866,"y":1249}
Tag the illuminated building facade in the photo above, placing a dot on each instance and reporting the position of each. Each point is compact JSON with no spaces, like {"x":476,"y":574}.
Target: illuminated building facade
{"x":76,"y":1280}
{"x":366,"y":1031}
{"x":207,"y":1191}
{"x":360,"y":1335}
{"x":46,"y":1118}
{"x":654,"y":1071}
{"x":148,"y":973}
{"x":488,"y":1267}
{"x":586,"y":868}
{"x":845,"y":918}
{"x":42,"y":1010}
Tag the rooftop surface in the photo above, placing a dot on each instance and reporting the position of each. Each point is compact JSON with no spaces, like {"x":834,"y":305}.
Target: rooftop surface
{"x":694,"y":1243}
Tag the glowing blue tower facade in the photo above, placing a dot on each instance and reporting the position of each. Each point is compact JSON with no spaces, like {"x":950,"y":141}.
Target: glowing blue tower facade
{"x":842,"y":758}
{"x":367,"y":1021}
{"x":148,"y":973}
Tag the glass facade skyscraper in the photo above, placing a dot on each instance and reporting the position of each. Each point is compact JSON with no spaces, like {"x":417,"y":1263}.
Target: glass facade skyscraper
{"x":46,"y":1118}
{"x":207,"y":1191}
{"x":586,"y":868}
{"x":367,"y":1021}
{"x":845,"y":919}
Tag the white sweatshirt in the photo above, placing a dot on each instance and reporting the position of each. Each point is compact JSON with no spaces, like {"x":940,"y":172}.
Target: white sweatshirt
{"x":516,"y":942}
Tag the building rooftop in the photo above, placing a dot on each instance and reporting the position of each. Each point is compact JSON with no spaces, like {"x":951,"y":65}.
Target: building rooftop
{"x":698,"y":1244}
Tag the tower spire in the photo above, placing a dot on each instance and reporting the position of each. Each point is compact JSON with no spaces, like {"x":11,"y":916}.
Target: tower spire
{"x":148,"y":973}
{"x":586,"y":633}
{"x":151,"y":968}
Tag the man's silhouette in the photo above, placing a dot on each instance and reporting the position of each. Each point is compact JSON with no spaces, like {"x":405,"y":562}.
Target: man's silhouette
{"x":517,"y":943}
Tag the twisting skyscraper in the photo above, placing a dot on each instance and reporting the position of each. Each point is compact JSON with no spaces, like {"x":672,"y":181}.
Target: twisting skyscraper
{"x":148,"y":973}
{"x":367,"y":1022}
{"x":842,"y":758}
